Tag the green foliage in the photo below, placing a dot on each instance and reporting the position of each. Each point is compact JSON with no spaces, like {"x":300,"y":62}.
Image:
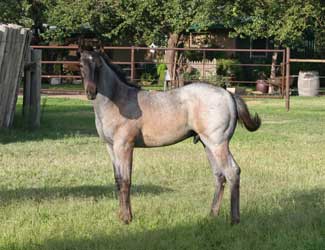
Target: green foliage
{"x":219,"y":80}
{"x":16,"y":11}
{"x":147,"y":78}
{"x":161,"y":71}
{"x":143,"y":22}
{"x":57,"y":69}
{"x":228,"y":67}
{"x":154,"y":21}
{"x":193,"y":75}
{"x":82,"y":18}
{"x":296,"y":67}
{"x":283,"y":21}
{"x":128,"y":22}
{"x":193,"y":55}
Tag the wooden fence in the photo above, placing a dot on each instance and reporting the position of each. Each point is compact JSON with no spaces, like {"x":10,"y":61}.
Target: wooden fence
{"x":32,"y":89}
{"x":14,"y":43}
{"x":205,"y":67}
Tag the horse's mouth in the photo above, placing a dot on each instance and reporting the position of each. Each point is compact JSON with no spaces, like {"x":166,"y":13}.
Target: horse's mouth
{"x":91,"y":95}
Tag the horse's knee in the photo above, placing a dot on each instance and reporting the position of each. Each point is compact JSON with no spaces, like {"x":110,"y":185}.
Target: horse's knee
{"x":220,"y":178}
{"x":125,"y":185}
{"x":233,"y":175}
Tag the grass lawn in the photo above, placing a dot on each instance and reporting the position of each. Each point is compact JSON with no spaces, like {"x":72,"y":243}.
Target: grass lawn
{"x":57,"y":189}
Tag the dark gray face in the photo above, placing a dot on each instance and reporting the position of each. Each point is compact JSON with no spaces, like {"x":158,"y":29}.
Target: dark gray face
{"x":90,"y":62}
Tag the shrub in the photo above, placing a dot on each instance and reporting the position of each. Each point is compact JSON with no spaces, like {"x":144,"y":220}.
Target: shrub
{"x":228,"y":67}
{"x":147,"y":78}
{"x":194,"y":74}
{"x":161,"y":69}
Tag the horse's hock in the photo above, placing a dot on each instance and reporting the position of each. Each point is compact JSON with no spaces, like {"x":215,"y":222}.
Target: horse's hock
{"x":14,"y":43}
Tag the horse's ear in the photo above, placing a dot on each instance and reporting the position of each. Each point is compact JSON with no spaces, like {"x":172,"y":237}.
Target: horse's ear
{"x":81,"y":45}
{"x":99,"y":47}
{"x":79,"y":51}
{"x":98,"y":61}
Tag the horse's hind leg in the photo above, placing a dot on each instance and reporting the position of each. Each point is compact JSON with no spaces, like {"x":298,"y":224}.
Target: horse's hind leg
{"x":225,"y":168}
{"x":232,"y":173}
{"x":220,"y":180}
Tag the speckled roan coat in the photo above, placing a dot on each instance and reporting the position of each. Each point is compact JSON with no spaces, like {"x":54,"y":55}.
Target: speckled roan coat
{"x":128,"y":117}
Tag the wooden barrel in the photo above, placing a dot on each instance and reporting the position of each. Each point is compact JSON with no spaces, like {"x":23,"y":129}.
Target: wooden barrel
{"x":262,"y":86}
{"x":308,"y":83}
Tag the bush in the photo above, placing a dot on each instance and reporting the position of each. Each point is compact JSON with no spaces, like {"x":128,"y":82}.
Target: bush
{"x":147,"y":78}
{"x":218,"y":80}
{"x":228,"y":67}
{"x":193,"y":55}
{"x":194,"y":74}
{"x":161,"y":70}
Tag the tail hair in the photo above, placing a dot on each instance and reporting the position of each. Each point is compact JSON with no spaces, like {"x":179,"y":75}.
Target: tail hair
{"x":251,"y":123}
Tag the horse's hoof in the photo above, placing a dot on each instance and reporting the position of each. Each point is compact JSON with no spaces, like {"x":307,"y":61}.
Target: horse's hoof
{"x":126,"y":218}
{"x":235,"y":221}
{"x":214,"y":213}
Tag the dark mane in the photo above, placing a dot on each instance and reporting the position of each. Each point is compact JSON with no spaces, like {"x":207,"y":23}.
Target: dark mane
{"x":117,"y":70}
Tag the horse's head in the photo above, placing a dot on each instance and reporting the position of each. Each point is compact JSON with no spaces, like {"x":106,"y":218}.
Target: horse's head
{"x":90,"y":63}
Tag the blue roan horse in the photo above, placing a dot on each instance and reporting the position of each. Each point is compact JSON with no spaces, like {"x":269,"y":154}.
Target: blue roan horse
{"x":128,"y":117}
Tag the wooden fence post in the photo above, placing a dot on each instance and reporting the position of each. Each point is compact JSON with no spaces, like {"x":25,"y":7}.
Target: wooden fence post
{"x":132,"y":64}
{"x":27,"y":84}
{"x":35,"y":90}
{"x":287,"y":94}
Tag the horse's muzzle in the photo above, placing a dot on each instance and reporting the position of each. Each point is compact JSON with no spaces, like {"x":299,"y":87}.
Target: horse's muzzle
{"x":91,"y":91}
{"x":91,"y":95}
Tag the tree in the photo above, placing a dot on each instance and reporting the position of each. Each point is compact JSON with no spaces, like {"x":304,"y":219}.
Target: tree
{"x":136,"y":22}
{"x":28,"y":13}
{"x":285,"y":21}
{"x":15,"y":11}
{"x":69,"y":17}
{"x":163,"y":22}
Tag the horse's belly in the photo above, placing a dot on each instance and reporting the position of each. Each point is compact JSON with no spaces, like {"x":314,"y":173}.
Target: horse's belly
{"x":164,"y":120}
{"x":158,"y":137}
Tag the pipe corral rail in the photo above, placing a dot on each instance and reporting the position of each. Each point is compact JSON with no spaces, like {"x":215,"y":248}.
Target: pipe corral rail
{"x":132,"y":62}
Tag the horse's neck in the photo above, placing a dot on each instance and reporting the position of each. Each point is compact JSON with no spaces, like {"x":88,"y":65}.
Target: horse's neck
{"x":109,"y":83}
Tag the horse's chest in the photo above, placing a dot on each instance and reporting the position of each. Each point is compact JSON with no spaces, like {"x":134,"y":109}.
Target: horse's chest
{"x":106,"y":127}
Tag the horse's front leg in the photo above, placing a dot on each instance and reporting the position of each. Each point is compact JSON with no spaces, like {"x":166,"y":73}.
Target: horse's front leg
{"x":123,"y":163}
{"x":116,"y":170}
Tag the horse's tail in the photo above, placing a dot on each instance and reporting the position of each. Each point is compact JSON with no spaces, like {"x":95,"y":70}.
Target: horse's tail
{"x":251,"y":123}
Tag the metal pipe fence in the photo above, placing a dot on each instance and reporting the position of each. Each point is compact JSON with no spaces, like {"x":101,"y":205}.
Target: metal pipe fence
{"x":132,"y":62}
{"x":135,"y":62}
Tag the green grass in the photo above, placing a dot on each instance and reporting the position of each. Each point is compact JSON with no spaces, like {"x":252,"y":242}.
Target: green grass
{"x":57,"y":189}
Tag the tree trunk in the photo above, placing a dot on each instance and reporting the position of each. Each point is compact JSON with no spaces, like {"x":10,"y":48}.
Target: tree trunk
{"x":170,"y":56}
{"x":273,"y":72}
